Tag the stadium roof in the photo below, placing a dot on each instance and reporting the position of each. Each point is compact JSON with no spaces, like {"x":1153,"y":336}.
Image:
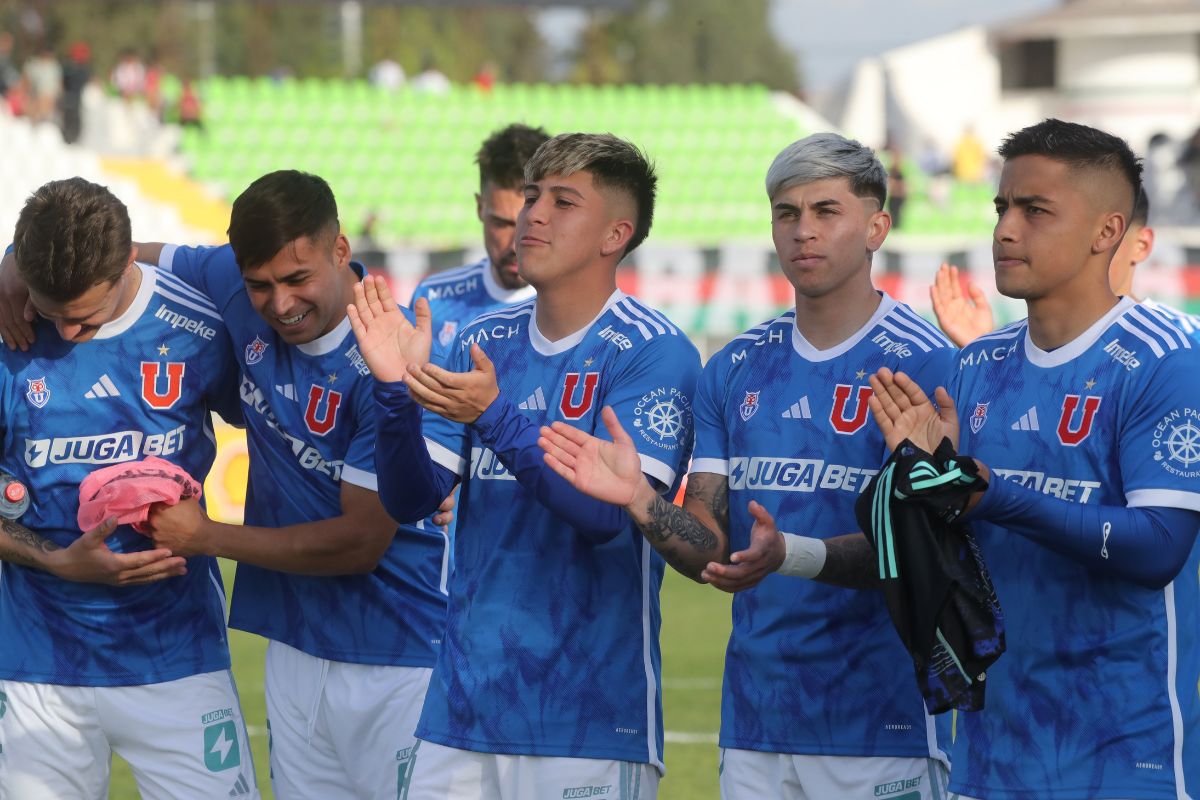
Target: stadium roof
{"x":1075,"y":18}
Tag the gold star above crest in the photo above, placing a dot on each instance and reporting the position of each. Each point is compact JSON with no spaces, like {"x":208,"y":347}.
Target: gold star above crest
{"x":1089,"y":384}
{"x":860,"y":374}
{"x":163,"y":349}
{"x":588,"y":362}
{"x":332,"y":377}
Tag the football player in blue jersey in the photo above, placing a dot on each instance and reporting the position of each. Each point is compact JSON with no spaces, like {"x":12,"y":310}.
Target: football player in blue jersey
{"x":966,"y":317}
{"x":547,"y":684}
{"x":128,"y":363}
{"x":353,"y":607}
{"x":1084,"y":419}
{"x":782,"y":438}
{"x":457,"y":296}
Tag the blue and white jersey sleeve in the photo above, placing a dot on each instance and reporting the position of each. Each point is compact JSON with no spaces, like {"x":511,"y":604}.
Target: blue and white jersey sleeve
{"x":711,"y":453}
{"x":212,"y":270}
{"x":448,"y":441}
{"x":358,"y":464}
{"x":652,"y":399}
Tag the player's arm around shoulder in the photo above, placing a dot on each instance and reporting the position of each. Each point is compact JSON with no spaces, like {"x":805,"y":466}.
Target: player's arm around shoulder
{"x":351,"y":543}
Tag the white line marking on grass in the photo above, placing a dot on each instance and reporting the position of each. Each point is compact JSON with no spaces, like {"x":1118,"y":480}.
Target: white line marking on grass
{"x":688,"y":737}
{"x":692,"y":683}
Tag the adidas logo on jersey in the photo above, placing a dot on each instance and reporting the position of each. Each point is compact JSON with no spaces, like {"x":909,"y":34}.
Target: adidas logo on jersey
{"x":535,"y":401}
{"x":288,"y":390}
{"x":1028,"y":421}
{"x":102,"y":388}
{"x":798,"y":410}
{"x":240,"y":787}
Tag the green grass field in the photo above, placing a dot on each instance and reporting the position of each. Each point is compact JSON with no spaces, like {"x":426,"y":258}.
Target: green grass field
{"x":695,"y":628}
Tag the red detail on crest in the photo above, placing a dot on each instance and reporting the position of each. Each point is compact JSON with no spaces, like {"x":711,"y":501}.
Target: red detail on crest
{"x":569,"y":408}
{"x":1073,"y":437}
{"x":837,"y":415}
{"x":150,"y":393}
{"x":325,"y":424}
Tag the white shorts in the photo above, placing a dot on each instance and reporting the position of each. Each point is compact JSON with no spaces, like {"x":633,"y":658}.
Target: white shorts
{"x":446,"y":773}
{"x":754,"y":775}
{"x":182,"y":738}
{"x":339,"y":730}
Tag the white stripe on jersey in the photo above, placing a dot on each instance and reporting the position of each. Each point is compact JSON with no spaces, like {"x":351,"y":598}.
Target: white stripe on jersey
{"x":616,"y":309}
{"x":172,"y":282}
{"x":1145,"y":337}
{"x":206,"y":311}
{"x":453,"y":275}
{"x":1172,"y":691}
{"x":714,"y":466}
{"x":1010,"y":331}
{"x":359,"y":477}
{"x":1189,"y":323}
{"x":446,"y":457}
{"x":758,"y":330}
{"x":656,"y":314}
{"x":903,"y":333}
{"x":510,"y":312}
{"x":922,"y":326}
{"x":1160,"y":328}
{"x":627,"y":305}
{"x":1148,"y":317}
{"x":651,"y":683}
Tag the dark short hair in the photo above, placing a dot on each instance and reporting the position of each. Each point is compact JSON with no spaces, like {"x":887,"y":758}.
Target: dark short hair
{"x":1077,"y":146}
{"x":503,"y":155}
{"x":613,"y":163}
{"x":277,"y":209}
{"x":71,"y":236}
{"x":1141,"y":208}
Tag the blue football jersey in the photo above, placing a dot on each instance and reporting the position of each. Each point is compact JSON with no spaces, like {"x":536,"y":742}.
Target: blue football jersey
{"x":144,"y":385}
{"x":1098,"y":687}
{"x":810,"y":668}
{"x":310,"y":426}
{"x":551,"y":644}
{"x":459,"y":295}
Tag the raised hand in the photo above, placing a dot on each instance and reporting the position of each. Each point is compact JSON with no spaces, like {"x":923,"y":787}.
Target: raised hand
{"x":607,"y":471}
{"x":963,"y":318}
{"x":903,"y":411}
{"x":748,"y":567}
{"x":388,"y":342}
{"x":457,"y":396}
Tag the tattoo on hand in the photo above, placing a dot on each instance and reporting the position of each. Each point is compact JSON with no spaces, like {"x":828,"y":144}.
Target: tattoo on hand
{"x":22,"y":536}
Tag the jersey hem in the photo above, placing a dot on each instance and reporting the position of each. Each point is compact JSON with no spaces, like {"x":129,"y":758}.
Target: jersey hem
{"x":1060,"y":794}
{"x":108,"y":680}
{"x":538,"y":750}
{"x":372,"y":659}
{"x":796,"y":749}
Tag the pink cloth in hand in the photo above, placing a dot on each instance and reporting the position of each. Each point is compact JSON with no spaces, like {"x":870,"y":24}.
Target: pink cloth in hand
{"x":126,"y":491}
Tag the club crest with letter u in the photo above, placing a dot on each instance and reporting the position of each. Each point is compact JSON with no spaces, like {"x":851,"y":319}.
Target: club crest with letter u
{"x":978,"y":417}
{"x":749,"y":406}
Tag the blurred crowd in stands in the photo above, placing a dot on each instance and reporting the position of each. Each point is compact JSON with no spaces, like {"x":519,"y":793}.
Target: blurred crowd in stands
{"x":50,"y":84}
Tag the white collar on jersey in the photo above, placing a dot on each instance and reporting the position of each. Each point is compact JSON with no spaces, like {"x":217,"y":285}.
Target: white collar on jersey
{"x":1074,"y":348}
{"x":810,"y":353}
{"x":327,"y":341}
{"x":548,"y":348}
{"x":115,"y":327}
{"x":498,"y":292}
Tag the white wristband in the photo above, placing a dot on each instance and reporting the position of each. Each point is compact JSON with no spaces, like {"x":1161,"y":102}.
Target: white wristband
{"x":804,"y":556}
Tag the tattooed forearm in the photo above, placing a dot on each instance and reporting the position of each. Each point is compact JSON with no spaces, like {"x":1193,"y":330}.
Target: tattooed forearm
{"x":850,"y":562}
{"x":19,"y":545}
{"x":686,"y":543}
